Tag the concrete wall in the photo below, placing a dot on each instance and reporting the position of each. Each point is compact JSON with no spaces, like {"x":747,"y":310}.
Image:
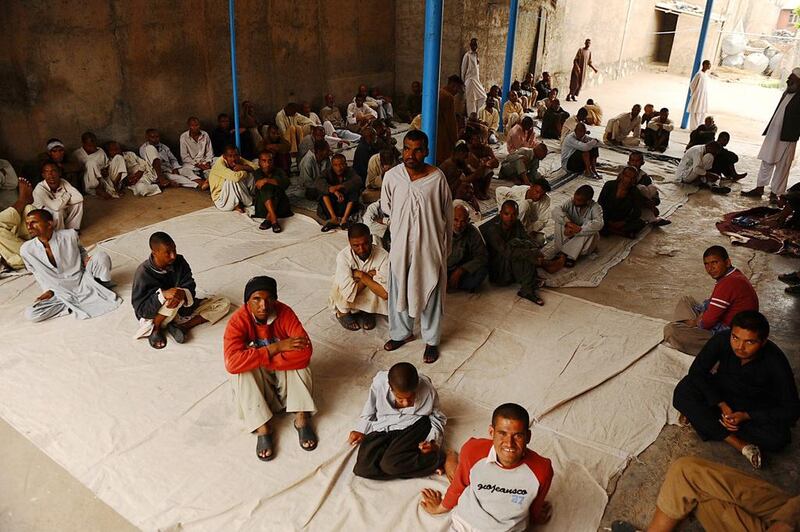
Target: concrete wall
{"x":117,"y":67}
{"x":684,"y":47}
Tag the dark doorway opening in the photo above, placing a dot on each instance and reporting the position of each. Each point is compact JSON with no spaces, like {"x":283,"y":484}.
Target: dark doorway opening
{"x":665,"y":26}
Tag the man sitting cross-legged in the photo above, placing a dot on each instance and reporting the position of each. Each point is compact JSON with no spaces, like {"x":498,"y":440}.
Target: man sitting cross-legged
{"x":695,"y":167}
{"x":625,"y":129}
{"x":271,"y":200}
{"x":740,"y":389}
{"x":140,"y":177}
{"x":695,"y":323}
{"x":513,"y":255}
{"x":293,"y":126}
{"x":725,"y":160}
{"x":59,"y":198}
{"x":622,"y":205}
{"x":267,"y":353}
{"x":533,"y":206}
{"x":13,"y":231}
{"x":361,"y":280}
{"x":656,"y":134}
{"x":231,"y":182}
{"x":722,"y":499}
{"x":578,"y":224}
{"x":651,"y":198}
{"x":166,"y":164}
{"x":467,"y":264}
{"x":101,"y":174}
{"x":579,"y":153}
{"x":524,"y":154}
{"x":483,"y":161}
{"x":401,"y":428}
{"x":505,"y":462}
{"x":339,"y":193}
{"x":73,"y":281}
{"x":164,"y":295}
{"x":197,"y":151}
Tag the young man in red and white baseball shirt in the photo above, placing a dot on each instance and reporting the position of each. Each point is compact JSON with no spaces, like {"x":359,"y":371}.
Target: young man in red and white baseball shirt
{"x":499,"y":485}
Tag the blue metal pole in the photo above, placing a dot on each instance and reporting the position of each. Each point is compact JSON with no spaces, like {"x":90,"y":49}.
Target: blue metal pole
{"x":233,"y":72}
{"x":698,"y":58}
{"x":510,"y":41}
{"x":430,"y":74}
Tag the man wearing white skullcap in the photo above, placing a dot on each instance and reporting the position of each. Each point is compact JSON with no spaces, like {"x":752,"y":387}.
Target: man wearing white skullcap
{"x":781,"y":135}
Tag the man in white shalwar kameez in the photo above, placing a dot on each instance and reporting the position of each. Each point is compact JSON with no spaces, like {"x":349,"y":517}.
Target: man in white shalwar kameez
{"x":698,"y":105}
{"x":578,"y":222}
{"x":166,"y":164}
{"x":361,"y":282}
{"x":100,"y":173}
{"x":416,"y":198}
{"x":60,"y":198}
{"x":474,"y":93}
{"x":231,"y":182}
{"x":72,"y":280}
{"x":780,"y":141}
{"x":197,"y":154}
{"x":533,"y":205}
{"x":140,"y":177}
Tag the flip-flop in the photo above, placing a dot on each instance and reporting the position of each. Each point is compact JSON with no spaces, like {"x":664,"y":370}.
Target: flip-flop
{"x":348,"y":321}
{"x":276,"y":228}
{"x":177,"y":333}
{"x":391,"y":345}
{"x":264,"y":443}
{"x":367,"y":320}
{"x":533,"y":297}
{"x":753,"y":455}
{"x":157,"y":336}
{"x":431,"y":354}
{"x":266,"y":224}
{"x":329,"y":226}
{"x":306,"y":433}
{"x":791,"y":279}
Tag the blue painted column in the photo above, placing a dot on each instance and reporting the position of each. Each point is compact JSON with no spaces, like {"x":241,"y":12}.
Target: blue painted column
{"x":233,"y":71}
{"x":510,"y":41}
{"x":430,"y":74}
{"x":698,"y":58}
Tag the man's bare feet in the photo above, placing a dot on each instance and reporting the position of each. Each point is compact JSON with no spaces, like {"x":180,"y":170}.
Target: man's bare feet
{"x":239,"y":209}
{"x":25,"y":190}
{"x":102,"y":193}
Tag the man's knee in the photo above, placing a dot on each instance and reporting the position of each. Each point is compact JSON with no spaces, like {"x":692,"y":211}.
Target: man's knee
{"x":33,"y":315}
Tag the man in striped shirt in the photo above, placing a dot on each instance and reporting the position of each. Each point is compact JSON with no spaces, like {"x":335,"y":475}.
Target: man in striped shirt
{"x":695,"y":323}
{"x":499,"y":484}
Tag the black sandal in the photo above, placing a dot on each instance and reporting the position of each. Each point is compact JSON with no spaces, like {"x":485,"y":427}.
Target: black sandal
{"x":177,"y":333}
{"x":266,"y":224}
{"x":264,"y":443}
{"x":306,"y":434}
{"x":276,"y":228}
{"x":431,"y":354}
{"x":348,"y":321}
{"x":329,"y":226}
{"x":532,"y":297}
{"x":157,"y":337}
{"x":391,"y":345}
{"x":367,"y":321}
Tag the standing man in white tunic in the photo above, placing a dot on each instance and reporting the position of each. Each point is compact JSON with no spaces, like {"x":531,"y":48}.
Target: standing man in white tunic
{"x":780,"y":141}
{"x":698,"y":105}
{"x":474,"y":93}
{"x":416,"y":198}
{"x":73,"y":281}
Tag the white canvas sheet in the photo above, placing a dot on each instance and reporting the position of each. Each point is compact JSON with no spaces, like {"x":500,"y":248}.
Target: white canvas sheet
{"x":154,"y":434}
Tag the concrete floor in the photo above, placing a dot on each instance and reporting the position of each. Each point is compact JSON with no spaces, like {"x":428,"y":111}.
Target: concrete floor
{"x":36,"y":494}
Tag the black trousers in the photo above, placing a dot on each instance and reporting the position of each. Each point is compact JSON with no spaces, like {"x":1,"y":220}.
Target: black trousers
{"x":575,"y":162}
{"x":689,"y":400}
{"x":395,"y":454}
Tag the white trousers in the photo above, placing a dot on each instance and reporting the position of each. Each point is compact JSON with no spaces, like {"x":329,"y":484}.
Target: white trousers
{"x":93,"y":174}
{"x":695,"y":119}
{"x":235,"y":193}
{"x":185,"y":177}
{"x":258,"y":394}
{"x":70,"y":217}
{"x":195,"y":171}
{"x":776,"y":175}
{"x":575,"y":246}
{"x":344,"y":134}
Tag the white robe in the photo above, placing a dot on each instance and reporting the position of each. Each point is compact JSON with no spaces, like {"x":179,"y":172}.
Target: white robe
{"x":421,"y":225}
{"x":776,"y":155}
{"x":694,"y":164}
{"x":65,"y":204}
{"x":474,"y":93}
{"x":8,"y":177}
{"x":72,"y":283}
{"x":147,"y":184}
{"x":590,"y":218}
{"x":93,"y":166}
{"x":698,"y":105}
{"x":344,"y":294}
{"x":533,"y":214}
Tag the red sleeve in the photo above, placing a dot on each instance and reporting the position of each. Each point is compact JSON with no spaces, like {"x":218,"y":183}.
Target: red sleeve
{"x":287,"y":325}
{"x":543,"y":470}
{"x":239,"y":357}
{"x":718,"y":304}
{"x":469,"y":455}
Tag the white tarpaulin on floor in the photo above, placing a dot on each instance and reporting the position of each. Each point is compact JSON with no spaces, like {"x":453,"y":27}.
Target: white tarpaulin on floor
{"x":153,"y":433}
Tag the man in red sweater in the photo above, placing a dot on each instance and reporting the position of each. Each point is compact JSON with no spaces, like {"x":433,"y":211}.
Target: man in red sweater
{"x":267,"y":353}
{"x":695,"y":323}
{"x":499,"y":485}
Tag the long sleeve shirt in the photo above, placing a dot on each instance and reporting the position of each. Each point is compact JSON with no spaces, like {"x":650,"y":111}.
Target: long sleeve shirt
{"x":732,"y":294}
{"x":196,"y":151}
{"x":310,"y":168}
{"x":616,"y":209}
{"x":571,"y":144}
{"x":152,"y":153}
{"x":381,"y":415}
{"x":590,"y":217}
{"x":511,"y":107}
{"x":490,"y":118}
{"x":355,"y":112}
{"x":284,"y":122}
{"x":149,"y":283}
{"x":374,"y":172}
{"x":332,"y":115}
{"x":245,"y":341}
{"x":468,"y":251}
{"x":490,"y":498}
{"x":655,"y":124}
{"x":533,"y":214}
{"x":221,"y":173}
{"x":58,"y":200}
{"x":764,"y":387}
{"x":350,"y":181}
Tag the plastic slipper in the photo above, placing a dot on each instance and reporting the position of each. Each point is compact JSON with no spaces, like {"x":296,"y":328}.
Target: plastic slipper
{"x":266,"y":224}
{"x":431,"y":354}
{"x":753,"y":455}
{"x":276,"y":228}
{"x":306,"y":433}
{"x":367,"y":321}
{"x":533,"y":297}
{"x":157,"y":337}
{"x":329,"y":226}
{"x":177,"y":333}
{"x":264,"y":443}
{"x":391,"y":345}
{"x":789,"y":278}
{"x":348,"y":321}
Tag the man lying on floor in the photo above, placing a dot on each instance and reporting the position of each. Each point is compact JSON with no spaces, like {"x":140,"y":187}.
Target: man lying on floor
{"x":740,"y":389}
{"x":694,"y":323}
{"x":499,"y":484}
{"x":267,"y":353}
{"x":164,"y":295}
{"x":360,"y":283}
{"x":401,"y":428}
{"x":722,"y":498}
{"x":72,"y":280}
